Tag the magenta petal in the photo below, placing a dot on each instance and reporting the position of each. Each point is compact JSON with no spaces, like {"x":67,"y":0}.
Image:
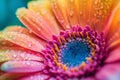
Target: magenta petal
{"x":22,"y":66}
{"x":109,"y":72}
{"x":38,"y":76}
{"x":114,"y":55}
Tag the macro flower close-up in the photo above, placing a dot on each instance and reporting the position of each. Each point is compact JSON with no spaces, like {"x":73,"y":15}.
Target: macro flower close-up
{"x":63,"y":40}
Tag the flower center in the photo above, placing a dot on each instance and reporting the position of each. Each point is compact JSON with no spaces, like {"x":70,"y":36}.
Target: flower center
{"x":74,"y":52}
{"x":77,"y":51}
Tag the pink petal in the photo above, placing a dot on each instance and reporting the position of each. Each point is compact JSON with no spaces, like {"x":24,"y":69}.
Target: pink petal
{"x":38,"y":76}
{"x":18,"y":54}
{"x":114,"y":55}
{"x":22,"y":66}
{"x":12,"y":76}
{"x":109,"y":72}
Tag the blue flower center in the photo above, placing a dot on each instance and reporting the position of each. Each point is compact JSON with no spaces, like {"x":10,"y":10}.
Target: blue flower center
{"x":74,"y":52}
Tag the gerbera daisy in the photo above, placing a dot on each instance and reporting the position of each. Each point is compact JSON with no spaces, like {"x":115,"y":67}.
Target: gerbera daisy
{"x":64,"y":40}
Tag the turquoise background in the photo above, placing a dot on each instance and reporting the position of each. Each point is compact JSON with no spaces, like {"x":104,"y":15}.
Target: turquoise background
{"x":7,"y":12}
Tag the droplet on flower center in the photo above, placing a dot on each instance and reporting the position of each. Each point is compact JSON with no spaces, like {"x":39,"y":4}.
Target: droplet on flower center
{"x":74,"y":52}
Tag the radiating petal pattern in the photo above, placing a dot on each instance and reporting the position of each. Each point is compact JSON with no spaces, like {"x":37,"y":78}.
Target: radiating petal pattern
{"x":56,"y":28}
{"x":22,"y":66}
{"x":35,"y":23}
{"x":43,"y":9}
{"x":22,"y":39}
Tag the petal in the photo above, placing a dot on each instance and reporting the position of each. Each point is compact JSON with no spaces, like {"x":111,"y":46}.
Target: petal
{"x":99,"y":13}
{"x":38,"y":76}
{"x":24,"y":31}
{"x":61,"y":9}
{"x":114,"y":40}
{"x":114,"y":55}
{"x":83,"y":12}
{"x":12,"y":76}
{"x":18,"y":54}
{"x":109,"y":72}
{"x":35,"y":23}
{"x":23,"y":40}
{"x":22,"y":66}
{"x":113,"y":24}
{"x":42,"y":8}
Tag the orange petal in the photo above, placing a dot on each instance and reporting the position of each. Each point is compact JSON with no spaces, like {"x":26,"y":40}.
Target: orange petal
{"x":99,"y":13}
{"x":24,"y":31}
{"x":63,"y":10}
{"x":83,"y":12}
{"x":35,"y":23}
{"x":113,"y":24}
{"x":22,"y":39}
{"x":43,"y":9}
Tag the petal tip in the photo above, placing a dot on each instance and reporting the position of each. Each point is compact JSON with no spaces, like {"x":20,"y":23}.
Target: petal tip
{"x":21,"y":12}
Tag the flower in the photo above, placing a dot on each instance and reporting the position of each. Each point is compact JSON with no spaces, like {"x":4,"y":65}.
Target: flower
{"x":65,"y":40}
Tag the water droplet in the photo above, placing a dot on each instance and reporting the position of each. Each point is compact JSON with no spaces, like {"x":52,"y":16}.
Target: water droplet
{"x":62,"y":21}
{"x":101,"y":7}
{"x":96,"y":1}
{"x":67,"y":26}
{"x":71,"y":13}
{"x":71,"y":1}
{"x":95,"y":14}
{"x":14,"y":55}
{"x":81,"y":13}
{"x":43,"y":12}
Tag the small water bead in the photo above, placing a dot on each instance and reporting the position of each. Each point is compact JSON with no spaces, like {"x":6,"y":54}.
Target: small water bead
{"x":71,"y":13}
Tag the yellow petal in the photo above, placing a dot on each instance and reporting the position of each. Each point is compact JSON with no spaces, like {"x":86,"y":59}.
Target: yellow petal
{"x":43,"y":9}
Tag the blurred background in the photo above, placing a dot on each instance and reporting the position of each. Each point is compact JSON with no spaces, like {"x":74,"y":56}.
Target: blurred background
{"x":7,"y":12}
